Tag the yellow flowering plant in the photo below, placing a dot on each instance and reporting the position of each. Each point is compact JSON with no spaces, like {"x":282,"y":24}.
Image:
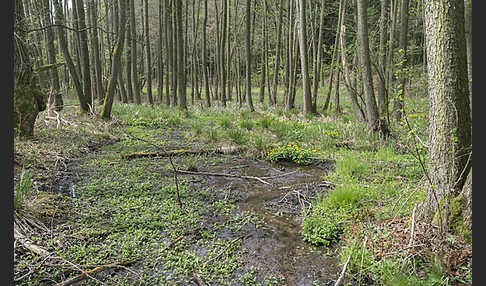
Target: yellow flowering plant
{"x":291,"y":153}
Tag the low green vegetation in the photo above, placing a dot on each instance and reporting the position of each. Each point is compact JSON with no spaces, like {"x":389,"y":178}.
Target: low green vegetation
{"x":124,"y":210}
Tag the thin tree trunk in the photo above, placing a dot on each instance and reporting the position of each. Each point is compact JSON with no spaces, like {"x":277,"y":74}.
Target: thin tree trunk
{"x":277,"y":54}
{"x":249,"y":101}
{"x":116,"y":69}
{"x":148,"y":54}
{"x":51,"y":55}
{"x":402,"y":45}
{"x":364,"y":55}
{"x":84,"y":101}
{"x":318,"y":60}
{"x":381,"y":91}
{"x":205,"y":55}
{"x":303,"y":57}
{"x":181,"y":78}
{"x":133,"y":52}
{"x":334,"y":56}
{"x":84,"y":52}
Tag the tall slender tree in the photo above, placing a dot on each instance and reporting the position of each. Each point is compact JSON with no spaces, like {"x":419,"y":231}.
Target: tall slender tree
{"x":116,"y":69}
{"x":249,"y":100}
{"x":148,"y":55}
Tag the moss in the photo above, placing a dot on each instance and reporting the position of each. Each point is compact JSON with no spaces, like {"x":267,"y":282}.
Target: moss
{"x":456,"y":219}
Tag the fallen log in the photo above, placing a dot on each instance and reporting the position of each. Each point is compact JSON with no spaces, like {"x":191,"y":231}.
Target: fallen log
{"x":221,"y":150}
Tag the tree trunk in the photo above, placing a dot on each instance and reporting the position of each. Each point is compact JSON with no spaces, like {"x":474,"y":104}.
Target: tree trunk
{"x":450,"y":125}
{"x":28,"y":100}
{"x":116,"y":69}
{"x":402,"y":45}
{"x":277,"y":53}
{"x":205,"y":55}
{"x":128,"y":60}
{"x":364,"y":55}
{"x":249,"y":101}
{"x":334,"y":56}
{"x":83,"y":100}
{"x":84,"y":52}
{"x":181,"y":77}
{"x":133,"y":52}
{"x":148,"y":54}
{"x":303,"y":57}
{"x":317,"y":67}
{"x":381,"y":92}
{"x":468,"y":29}
{"x":51,"y":55}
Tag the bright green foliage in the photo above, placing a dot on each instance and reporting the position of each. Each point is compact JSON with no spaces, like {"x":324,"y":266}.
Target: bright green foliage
{"x":291,"y":153}
{"x":322,"y":226}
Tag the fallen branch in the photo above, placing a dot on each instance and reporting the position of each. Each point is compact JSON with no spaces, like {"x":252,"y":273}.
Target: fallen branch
{"x":85,"y":274}
{"x":410,"y":242}
{"x":199,"y":280}
{"x":341,"y":277}
{"x":223,"y":175}
{"x":166,"y":153}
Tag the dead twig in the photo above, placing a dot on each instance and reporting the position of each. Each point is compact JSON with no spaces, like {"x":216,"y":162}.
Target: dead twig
{"x":341,"y":277}
{"x":85,"y":274}
{"x":198,"y":279}
{"x":224,"y":175}
{"x":410,"y":242}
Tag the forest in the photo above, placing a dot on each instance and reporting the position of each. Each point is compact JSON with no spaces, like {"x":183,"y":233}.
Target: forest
{"x":242,"y":142}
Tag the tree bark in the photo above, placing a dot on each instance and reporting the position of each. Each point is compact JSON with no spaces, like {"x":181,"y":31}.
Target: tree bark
{"x":450,"y":125}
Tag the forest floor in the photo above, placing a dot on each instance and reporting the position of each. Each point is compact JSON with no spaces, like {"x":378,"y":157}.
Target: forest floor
{"x":104,"y":211}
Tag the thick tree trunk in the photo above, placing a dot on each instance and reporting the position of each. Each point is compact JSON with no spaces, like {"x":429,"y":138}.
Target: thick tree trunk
{"x":450,"y":125}
{"x":28,"y":99}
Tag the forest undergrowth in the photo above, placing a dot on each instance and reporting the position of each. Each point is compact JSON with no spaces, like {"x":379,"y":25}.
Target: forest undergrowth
{"x":85,"y":205}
